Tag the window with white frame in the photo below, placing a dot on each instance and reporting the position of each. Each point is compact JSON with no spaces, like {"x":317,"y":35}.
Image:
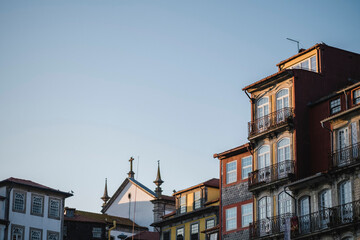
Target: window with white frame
{"x":264,"y":157}
{"x":197,"y":199}
{"x":194,"y":231}
{"x":231,"y":175}
{"x":35,"y":234}
{"x":19,"y":201}
{"x":183,"y":204}
{"x":285,"y":204}
{"x":17,"y":232}
{"x":180,"y":234}
{"x":304,"y":205}
{"x":325,"y":199}
{"x":52,"y":235}
{"x":335,"y":106}
{"x":54,"y":208}
{"x":264,"y":208}
{"x":210,"y":223}
{"x":262,"y":107}
{"x":356,"y":96}
{"x":96,"y":232}
{"x":246,"y":214}
{"x":282,"y":99}
{"x":307,"y":64}
{"x":246,"y":167}
{"x":345,"y":192}
{"x":231,"y":222}
{"x":37,"y":204}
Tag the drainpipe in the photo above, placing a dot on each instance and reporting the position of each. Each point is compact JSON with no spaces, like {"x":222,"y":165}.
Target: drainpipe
{"x":331,"y":137}
{"x":113,"y":227}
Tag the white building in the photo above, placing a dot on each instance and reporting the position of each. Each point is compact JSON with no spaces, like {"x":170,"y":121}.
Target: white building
{"x":29,"y":210}
{"x":135,"y":201}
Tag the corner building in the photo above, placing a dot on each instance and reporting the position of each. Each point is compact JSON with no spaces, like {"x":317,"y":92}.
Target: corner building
{"x":280,"y":136}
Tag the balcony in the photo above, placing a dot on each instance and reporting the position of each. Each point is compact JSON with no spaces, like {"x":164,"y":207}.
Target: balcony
{"x":346,"y":156}
{"x":268,"y":175}
{"x":304,"y":227}
{"x":270,"y":122}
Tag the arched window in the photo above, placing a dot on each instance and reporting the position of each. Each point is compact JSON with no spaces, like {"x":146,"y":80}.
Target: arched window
{"x":282,"y":99}
{"x":345,"y":195}
{"x":264,"y":157}
{"x":324,"y":207}
{"x":262,"y":107}
{"x":285,"y":204}
{"x":264,"y":208}
{"x":283,"y":150}
{"x":304,"y":214}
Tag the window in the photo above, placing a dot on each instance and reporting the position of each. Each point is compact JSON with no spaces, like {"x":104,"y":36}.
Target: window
{"x":345,"y":192}
{"x":197,"y":200}
{"x":283,"y":157}
{"x":54,"y":208}
{"x":335,"y":106}
{"x":166,"y":235}
{"x":35,"y":234}
{"x":183,"y":204}
{"x":356,"y":96}
{"x":307,"y":64}
{"x":282,"y":99}
{"x":52,"y":235}
{"x":194,"y":231}
{"x":37,"y":203}
{"x":17,"y":232}
{"x":231,"y":172}
{"x":264,"y":157}
{"x":180,"y":234}
{"x":231,"y":218}
{"x":96,"y":232}
{"x":210,"y":223}
{"x":264,"y":208}
{"x":285,"y":205}
{"x":213,"y":236}
{"x":304,"y":206}
{"x":262,"y":107}
{"x":246,"y":214}
{"x":19,"y":201}
{"x":304,"y":216}
{"x":246,"y":167}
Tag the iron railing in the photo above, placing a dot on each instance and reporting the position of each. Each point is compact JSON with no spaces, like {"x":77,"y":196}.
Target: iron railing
{"x":300,"y":226}
{"x":269,"y":226}
{"x":271,"y":173}
{"x":272,"y":120}
{"x":346,"y":156}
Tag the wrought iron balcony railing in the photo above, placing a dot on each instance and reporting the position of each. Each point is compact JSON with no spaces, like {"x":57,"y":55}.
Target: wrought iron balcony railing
{"x":269,"y":226}
{"x":270,"y":121}
{"x":346,"y":156}
{"x":271,"y":173}
{"x":314,"y":223}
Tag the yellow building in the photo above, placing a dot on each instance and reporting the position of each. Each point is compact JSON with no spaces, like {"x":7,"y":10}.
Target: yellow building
{"x":196,"y":215}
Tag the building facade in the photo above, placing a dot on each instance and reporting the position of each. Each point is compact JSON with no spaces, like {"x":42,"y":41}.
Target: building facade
{"x":29,"y":210}
{"x":280,"y":131}
{"x":236,"y":202}
{"x":196,"y":216}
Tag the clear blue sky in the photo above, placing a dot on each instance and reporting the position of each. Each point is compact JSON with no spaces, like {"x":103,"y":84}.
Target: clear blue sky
{"x":84,"y":85}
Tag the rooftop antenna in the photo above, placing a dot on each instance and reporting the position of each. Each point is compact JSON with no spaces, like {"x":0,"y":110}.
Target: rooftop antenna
{"x":294,"y":41}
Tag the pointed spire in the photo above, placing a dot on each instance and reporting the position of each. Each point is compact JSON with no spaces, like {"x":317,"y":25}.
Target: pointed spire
{"x":105,"y":197}
{"x":158,"y":181}
{"x":131,"y":173}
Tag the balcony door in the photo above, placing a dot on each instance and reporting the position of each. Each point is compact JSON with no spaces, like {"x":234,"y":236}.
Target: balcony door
{"x":262,"y":107}
{"x":283,"y":157}
{"x":324,"y":206}
{"x":264,"y":163}
{"x":354,"y":141}
{"x":304,"y":214}
{"x":342,"y":144}
{"x":282,"y":104}
{"x":345,"y":198}
{"x":264,"y":215}
{"x":285,"y":209}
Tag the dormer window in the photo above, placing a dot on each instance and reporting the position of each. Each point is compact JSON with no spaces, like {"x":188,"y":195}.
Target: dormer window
{"x":197,"y":200}
{"x":335,"y":106}
{"x":183,"y":204}
{"x":308,"y":64}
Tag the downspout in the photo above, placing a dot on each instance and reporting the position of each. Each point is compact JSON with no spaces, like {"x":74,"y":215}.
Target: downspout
{"x":331,"y":138}
{"x":113,"y":227}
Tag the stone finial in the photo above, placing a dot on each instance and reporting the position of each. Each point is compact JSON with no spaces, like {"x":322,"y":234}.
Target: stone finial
{"x":105,"y":197}
{"x":158,"y":181}
{"x":131,"y":173}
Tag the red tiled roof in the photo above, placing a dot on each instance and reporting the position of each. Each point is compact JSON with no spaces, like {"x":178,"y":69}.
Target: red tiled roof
{"x":29,"y":183}
{"x":146,"y":235}
{"x":214,"y":182}
{"x":83,"y":216}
